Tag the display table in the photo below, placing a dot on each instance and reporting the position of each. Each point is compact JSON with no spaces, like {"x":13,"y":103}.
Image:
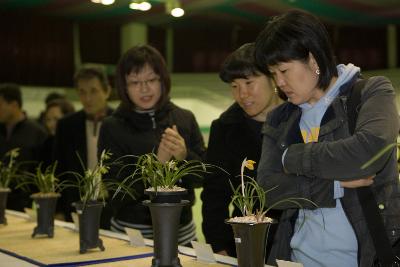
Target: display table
{"x":19,"y":249}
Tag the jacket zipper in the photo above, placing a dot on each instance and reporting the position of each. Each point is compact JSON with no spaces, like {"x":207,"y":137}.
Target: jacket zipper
{"x":153,"y":119}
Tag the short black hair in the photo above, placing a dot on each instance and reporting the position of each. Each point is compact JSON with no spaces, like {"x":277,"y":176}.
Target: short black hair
{"x":65,"y":105}
{"x":133,"y":61}
{"x":53,"y":96}
{"x":89,"y":72}
{"x":240,"y":64}
{"x":11,"y":92}
{"x":293,"y":36}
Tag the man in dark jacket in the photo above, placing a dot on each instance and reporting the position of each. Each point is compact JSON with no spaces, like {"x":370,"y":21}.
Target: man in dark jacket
{"x":16,"y":131}
{"x":77,"y":133}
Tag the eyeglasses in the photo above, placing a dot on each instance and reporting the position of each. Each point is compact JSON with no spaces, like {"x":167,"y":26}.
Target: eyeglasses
{"x":139,"y":84}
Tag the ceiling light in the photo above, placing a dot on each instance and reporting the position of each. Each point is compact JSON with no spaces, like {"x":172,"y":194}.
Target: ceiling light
{"x":145,"y":6}
{"x":140,"y":5}
{"x":177,"y":12}
{"x":173,"y":7}
{"x":107,"y":2}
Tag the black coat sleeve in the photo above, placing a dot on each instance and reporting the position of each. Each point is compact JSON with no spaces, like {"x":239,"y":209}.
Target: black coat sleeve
{"x":122,"y":161}
{"x":216,"y":193}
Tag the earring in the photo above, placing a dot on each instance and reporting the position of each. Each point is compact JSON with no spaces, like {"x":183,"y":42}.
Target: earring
{"x":317,"y":71}
{"x":276,"y":90}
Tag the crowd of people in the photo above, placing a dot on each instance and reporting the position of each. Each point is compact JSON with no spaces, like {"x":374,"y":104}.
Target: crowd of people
{"x":288,"y":115}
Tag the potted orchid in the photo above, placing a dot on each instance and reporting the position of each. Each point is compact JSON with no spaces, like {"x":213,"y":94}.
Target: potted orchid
{"x":8,"y":172}
{"x":93,"y":191}
{"x":160,"y":180}
{"x":251,"y":229}
{"x":49,"y":188}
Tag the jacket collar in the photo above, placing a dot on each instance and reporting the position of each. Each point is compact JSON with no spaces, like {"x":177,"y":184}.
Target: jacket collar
{"x":233,"y":115}
{"x":143,"y":120}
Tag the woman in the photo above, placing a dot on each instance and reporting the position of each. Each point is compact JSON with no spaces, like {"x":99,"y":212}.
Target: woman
{"x":309,"y":153}
{"x":147,"y":121}
{"x":233,"y":137}
{"x":55,"y":110}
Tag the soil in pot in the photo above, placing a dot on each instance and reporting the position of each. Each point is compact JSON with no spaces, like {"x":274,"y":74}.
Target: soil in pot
{"x":166,"y":195}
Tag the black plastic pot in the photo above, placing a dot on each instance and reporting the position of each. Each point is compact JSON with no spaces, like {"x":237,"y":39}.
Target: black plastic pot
{"x":3,"y":205}
{"x":89,"y":224}
{"x":250,"y":241}
{"x":165,"y":196}
{"x":45,"y":210}
{"x":165,"y":219}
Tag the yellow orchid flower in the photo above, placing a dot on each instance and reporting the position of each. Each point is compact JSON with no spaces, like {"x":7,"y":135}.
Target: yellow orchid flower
{"x":250,"y":164}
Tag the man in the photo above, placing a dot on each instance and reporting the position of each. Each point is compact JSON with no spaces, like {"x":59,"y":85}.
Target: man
{"x":16,"y":131}
{"x":77,"y":133}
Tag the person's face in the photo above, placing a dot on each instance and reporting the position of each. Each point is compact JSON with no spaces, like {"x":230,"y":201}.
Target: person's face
{"x":53,"y":114}
{"x":298,"y":80}
{"x":254,"y":94}
{"x":92,"y":95}
{"x":144,"y":88}
{"x":6,"y":110}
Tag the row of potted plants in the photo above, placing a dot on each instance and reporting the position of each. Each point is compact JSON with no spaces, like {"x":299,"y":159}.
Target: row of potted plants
{"x":165,"y":203}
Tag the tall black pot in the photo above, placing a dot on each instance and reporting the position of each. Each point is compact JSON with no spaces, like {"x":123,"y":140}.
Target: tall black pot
{"x":45,"y":212}
{"x":250,"y":241}
{"x":3,"y":204}
{"x":165,"y":218}
{"x":89,"y":224}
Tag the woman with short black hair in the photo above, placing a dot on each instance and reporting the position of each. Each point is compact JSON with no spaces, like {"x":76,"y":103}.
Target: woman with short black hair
{"x":235,"y":135}
{"x":308,"y":151}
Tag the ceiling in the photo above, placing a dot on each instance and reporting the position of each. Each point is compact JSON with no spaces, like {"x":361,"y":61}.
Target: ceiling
{"x":215,"y":12}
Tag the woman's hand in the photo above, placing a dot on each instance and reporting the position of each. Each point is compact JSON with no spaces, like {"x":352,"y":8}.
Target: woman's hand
{"x":222,"y":252}
{"x":172,"y":145}
{"x":358,"y":183}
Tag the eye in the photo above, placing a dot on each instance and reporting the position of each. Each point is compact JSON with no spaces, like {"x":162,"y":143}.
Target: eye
{"x":133,"y":83}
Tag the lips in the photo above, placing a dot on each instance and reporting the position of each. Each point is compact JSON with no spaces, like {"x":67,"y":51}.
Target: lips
{"x":146,"y":98}
{"x":247,"y":104}
{"x":289,"y":94}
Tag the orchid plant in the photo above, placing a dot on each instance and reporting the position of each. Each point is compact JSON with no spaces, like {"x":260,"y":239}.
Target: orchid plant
{"x":46,"y":181}
{"x":249,"y":196}
{"x":157,"y":175}
{"x":8,"y":168}
{"x":251,"y":199}
{"x":92,"y":186}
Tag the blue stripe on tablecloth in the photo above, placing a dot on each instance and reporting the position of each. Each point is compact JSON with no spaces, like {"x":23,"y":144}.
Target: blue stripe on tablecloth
{"x":21,"y":257}
{"x":77,"y":263}
{"x":186,"y":254}
{"x":83,"y":263}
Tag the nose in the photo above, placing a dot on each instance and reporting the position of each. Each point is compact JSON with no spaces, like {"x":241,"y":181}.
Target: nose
{"x":86,"y":97}
{"x":279,"y":79}
{"x":243,"y":92}
{"x":144,"y":86}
